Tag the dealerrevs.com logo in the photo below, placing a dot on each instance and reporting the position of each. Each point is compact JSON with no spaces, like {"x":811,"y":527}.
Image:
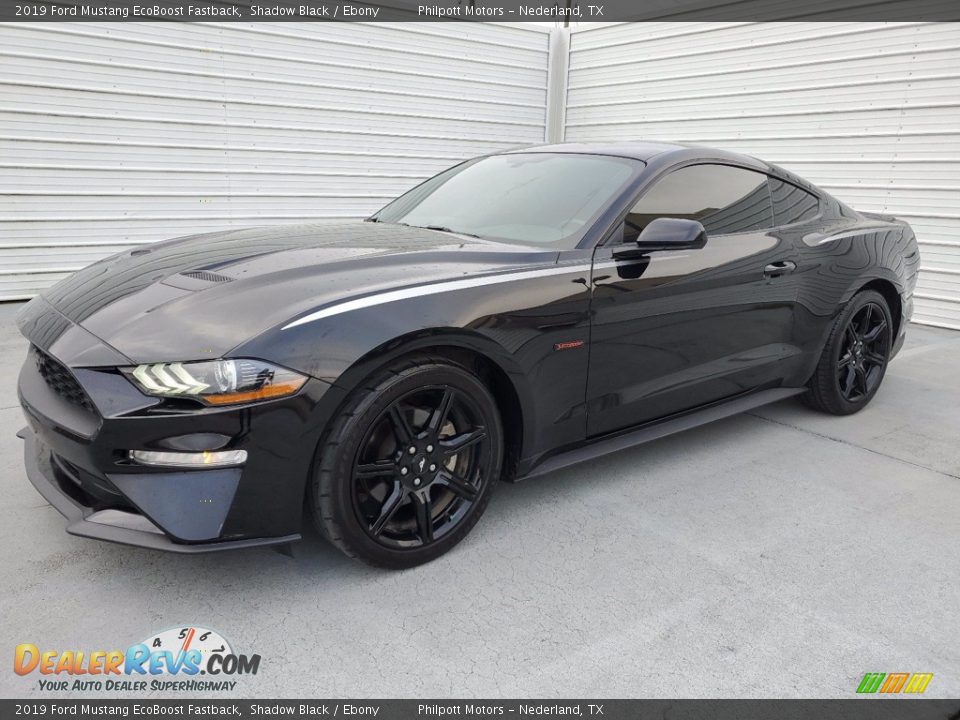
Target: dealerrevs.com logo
{"x":172,"y":660}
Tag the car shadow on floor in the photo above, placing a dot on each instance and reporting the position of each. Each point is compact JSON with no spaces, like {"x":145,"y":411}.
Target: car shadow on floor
{"x":538,"y":502}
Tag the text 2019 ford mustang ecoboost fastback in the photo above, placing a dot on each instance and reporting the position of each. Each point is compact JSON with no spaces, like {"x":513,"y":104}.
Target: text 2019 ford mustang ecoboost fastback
{"x":515,"y":314}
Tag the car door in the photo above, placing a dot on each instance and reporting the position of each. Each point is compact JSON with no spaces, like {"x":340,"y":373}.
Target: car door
{"x":678,"y":329}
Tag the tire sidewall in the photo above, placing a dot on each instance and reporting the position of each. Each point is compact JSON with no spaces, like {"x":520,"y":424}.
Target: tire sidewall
{"x":350,"y":431}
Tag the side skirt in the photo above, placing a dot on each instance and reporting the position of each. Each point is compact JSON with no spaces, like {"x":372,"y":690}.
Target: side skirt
{"x":659,"y":429}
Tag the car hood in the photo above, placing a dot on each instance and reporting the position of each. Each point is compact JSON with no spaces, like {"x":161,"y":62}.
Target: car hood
{"x":200,"y":296}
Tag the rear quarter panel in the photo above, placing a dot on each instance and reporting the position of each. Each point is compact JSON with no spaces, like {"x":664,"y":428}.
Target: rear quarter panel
{"x":838,"y":258}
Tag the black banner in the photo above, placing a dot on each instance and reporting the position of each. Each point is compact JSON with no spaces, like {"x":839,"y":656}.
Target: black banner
{"x":854,"y":709}
{"x":560,"y":11}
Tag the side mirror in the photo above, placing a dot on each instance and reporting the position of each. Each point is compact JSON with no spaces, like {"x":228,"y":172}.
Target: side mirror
{"x":665,"y":234}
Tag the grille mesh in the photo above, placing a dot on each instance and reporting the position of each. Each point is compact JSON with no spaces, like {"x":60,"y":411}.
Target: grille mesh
{"x":61,"y":381}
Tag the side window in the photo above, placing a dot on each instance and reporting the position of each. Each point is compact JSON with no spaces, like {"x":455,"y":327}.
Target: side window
{"x":791,"y":204}
{"x":724,"y":199}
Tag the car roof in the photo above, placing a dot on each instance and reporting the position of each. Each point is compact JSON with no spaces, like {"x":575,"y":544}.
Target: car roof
{"x":646,"y":150}
{"x":641,"y":150}
{"x":659,"y":155}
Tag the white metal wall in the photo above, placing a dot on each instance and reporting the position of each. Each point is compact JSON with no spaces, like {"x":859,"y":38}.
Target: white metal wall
{"x":870,"y":112}
{"x":118,"y":134}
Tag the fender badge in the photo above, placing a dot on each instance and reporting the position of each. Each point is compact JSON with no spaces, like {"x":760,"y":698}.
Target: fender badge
{"x":569,"y":345}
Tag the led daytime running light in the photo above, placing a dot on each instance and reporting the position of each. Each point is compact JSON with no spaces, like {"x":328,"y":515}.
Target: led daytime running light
{"x":205,"y":459}
{"x":216,"y":382}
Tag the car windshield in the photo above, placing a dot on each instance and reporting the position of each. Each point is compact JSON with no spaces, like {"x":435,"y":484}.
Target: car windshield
{"x":529,"y":198}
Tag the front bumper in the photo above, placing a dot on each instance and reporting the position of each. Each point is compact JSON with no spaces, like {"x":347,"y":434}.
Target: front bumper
{"x":77,"y":452}
{"x":126,"y":526}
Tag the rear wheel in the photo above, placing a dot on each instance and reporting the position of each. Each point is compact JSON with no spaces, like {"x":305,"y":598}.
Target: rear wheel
{"x":408,"y":467}
{"x":855,"y":357}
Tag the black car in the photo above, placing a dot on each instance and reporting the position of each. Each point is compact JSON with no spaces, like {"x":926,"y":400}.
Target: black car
{"x":513,"y":315}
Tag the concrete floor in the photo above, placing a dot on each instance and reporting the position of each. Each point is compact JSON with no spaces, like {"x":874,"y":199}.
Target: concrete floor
{"x":777,"y":554}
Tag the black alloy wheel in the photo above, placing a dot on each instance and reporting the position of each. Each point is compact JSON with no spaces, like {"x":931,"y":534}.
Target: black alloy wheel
{"x":409,"y":465}
{"x":418,"y":471}
{"x":854,"y":359}
{"x":863,"y":353}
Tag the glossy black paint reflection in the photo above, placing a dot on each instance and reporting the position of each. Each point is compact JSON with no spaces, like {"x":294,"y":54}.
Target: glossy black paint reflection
{"x":578,"y":344}
{"x":690,"y":328}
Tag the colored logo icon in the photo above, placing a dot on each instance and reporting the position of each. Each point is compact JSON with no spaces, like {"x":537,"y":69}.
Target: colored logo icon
{"x":913,"y":683}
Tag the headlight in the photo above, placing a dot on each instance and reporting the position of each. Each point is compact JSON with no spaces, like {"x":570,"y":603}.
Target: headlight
{"x":216,"y":382}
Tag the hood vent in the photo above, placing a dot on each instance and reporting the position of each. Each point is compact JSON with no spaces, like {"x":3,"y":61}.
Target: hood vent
{"x":206,"y":276}
{"x":195,"y":280}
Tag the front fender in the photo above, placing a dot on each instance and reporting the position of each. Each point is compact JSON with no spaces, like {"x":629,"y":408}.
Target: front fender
{"x":516,"y":325}
{"x":354,"y":365}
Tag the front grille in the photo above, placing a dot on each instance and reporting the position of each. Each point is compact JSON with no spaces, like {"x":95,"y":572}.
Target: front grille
{"x":61,"y":380}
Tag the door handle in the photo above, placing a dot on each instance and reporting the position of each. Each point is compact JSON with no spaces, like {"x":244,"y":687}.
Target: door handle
{"x":781,"y":267}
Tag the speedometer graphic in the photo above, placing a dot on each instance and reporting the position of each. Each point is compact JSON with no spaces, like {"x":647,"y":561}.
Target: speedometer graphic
{"x":182,"y":639}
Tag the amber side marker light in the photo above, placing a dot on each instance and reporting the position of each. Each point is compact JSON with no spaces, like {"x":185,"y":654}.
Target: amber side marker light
{"x":264,"y":393}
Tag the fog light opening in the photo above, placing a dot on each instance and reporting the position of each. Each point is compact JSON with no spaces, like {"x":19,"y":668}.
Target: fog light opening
{"x":205,"y":459}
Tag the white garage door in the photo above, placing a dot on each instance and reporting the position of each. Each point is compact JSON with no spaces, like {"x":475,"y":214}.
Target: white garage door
{"x":870,"y":112}
{"x":117,"y":134}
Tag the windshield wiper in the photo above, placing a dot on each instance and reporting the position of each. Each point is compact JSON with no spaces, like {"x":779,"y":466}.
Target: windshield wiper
{"x":441,"y":228}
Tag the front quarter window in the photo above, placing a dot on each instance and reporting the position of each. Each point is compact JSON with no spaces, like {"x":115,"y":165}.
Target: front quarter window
{"x":548,"y":199}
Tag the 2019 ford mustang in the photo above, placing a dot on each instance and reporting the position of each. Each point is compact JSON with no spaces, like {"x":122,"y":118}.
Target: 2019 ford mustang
{"x":515,"y":314}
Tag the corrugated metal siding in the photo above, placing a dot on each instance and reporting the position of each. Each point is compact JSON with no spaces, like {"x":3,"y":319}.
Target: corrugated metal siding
{"x":868,"y":111}
{"x":118,"y":134}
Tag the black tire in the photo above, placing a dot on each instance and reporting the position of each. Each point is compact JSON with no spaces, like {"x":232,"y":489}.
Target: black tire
{"x":855,"y":357}
{"x":360,"y":460}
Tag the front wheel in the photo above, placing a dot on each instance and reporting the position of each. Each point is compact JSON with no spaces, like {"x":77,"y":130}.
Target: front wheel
{"x":855,"y":357}
{"x":407,"y":468}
